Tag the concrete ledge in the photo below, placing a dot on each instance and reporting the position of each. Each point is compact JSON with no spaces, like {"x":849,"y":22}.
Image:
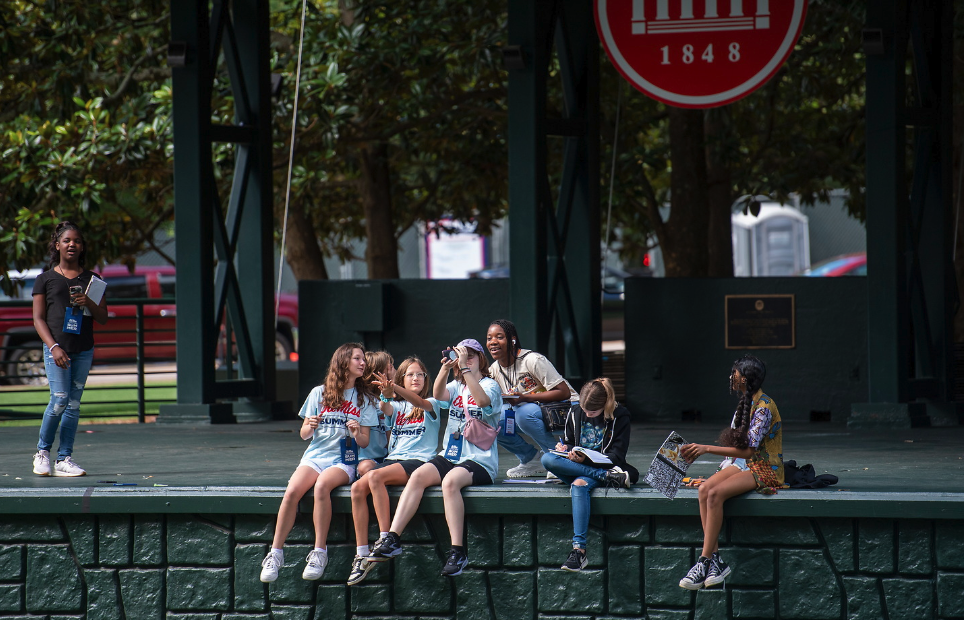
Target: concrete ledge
{"x":499,"y":499}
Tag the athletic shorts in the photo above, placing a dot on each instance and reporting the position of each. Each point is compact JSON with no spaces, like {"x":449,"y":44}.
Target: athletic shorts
{"x":409,"y":465}
{"x":480,"y":477}
{"x":320,"y":467}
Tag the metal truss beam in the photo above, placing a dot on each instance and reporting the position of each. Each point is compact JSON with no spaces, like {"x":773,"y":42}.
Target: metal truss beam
{"x":911,"y":285}
{"x":554,"y":236}
{"x":224,"y":251}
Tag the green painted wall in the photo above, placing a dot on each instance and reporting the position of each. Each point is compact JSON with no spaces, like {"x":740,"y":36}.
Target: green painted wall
{"x":145,"y":567}
{"x":676,"y":358}
{"x":406,"y":317}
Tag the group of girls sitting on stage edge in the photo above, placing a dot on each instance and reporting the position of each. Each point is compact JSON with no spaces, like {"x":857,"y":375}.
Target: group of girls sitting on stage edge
{"x":384,"y":422}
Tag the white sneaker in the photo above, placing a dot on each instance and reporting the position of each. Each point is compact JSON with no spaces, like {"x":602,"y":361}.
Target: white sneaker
{"x":41,"y":463}
{"x":317,"y":561}
{"x":67,"y":467}
{"x":528,"y":470}
{"x":270,"y":566}
{"x":551,"y":476}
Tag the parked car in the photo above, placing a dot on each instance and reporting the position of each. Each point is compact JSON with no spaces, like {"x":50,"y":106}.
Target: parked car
{"x":21,"y":358}
{"x":843,"y":265}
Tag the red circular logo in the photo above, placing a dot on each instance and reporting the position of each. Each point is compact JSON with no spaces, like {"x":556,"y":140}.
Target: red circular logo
{"x":698,"y":53}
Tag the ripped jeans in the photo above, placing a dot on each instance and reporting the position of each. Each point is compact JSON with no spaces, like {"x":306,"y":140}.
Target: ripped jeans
{"x":66,"y":388}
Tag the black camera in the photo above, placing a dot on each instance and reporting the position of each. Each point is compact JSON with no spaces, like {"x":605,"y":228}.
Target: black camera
{"x":450,"y":353}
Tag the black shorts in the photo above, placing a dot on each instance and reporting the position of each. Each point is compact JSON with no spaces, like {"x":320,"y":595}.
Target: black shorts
{"x":409,"y":465}
{"x":480,"y":477}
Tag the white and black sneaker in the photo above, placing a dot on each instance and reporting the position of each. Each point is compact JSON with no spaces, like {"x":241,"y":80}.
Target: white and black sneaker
{"x":576,"y":561}
{"x":386,"y":548}
{"x":696,"y":578}
{"x":617,"y":478}
{"x":359,"y":570}
{"x":718,"y":571}
{"x":454,"y":563}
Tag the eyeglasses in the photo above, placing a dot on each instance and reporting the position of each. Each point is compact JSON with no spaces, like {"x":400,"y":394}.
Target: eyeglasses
{"x":413,"y":375}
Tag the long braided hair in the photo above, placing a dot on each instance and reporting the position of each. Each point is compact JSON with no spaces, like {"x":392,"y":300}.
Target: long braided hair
{"x":753,"y":371}
{"x":53,"y":256}
{"x":513,"y":342}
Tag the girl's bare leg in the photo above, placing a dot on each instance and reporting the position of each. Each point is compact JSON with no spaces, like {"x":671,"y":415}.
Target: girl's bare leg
{"x":359,"y":509}
{"x":299,"y":484}
{"x":452,"y":486}
{"x":708,"y":485}
{"x":422,"y":478}
{"x":378,"y":479}
{"x":731,"y":486}
{"x":328,"y":480}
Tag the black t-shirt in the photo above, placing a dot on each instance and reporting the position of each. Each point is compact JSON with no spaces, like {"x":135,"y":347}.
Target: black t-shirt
{"x":56,"y":289}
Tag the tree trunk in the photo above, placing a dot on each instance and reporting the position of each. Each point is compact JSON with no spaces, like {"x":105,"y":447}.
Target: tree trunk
{"x":684,"y":239}
{"x":720,"y":199}
{"x":381,"y":253}
{"x":301,"y":246}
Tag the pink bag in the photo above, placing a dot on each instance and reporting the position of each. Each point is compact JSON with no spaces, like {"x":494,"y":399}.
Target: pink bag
{"x":479,"y":433}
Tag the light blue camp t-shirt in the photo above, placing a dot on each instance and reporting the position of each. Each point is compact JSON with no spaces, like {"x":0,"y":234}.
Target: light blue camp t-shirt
{"x":458,"y":393}
{"x":377,"y":439}
{"x":325,"y":446}
{"x":413,"y":439}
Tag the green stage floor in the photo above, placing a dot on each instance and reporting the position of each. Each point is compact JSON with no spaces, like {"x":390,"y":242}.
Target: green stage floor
{"x":929,"y":460}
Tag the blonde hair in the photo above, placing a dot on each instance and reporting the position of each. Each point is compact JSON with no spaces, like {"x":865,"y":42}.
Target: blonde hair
{"x":416,"y":413}
{"x":598,"y":394}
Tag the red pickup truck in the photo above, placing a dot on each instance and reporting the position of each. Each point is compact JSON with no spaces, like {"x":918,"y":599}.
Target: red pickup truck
{"x":21,"y":358}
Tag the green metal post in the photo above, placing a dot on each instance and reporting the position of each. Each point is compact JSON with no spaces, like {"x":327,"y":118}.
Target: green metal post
{"x":530,"y":28}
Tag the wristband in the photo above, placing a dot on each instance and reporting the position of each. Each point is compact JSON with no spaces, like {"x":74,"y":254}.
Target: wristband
{"x":53,"y":346}
{"x":465,"y":369}
{"x":383,"y":399}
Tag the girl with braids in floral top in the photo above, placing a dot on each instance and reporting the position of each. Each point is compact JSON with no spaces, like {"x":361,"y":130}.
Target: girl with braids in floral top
{"x":753,"y":447}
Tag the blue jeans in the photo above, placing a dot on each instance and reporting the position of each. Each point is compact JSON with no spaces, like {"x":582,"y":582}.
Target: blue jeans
{"x":569,"y":471}
{"x":66,"y":388}
{"x":528,"y":420}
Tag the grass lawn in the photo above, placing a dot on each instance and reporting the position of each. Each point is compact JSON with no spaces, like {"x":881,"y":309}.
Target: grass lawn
{"x":99,"y":404}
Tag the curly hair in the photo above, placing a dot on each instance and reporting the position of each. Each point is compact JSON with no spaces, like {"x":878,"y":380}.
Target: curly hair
{"x":53,"y":256}
{"x":417,"y":413}
{"x":598,"y":394}
{"x":376,"y":362}
{"x":511,"y":336}
{"x":754,"y":371}
{"x":336,"y":380}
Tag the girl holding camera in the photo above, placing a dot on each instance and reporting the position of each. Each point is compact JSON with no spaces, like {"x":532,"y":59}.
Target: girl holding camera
{"x":338,"y":416}
{"x":67,"y":331}
{"x":413,"y":423}
{"x":470,"y":454}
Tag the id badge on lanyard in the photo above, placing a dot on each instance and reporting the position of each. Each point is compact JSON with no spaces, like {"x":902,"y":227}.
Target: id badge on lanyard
{"x":349,"y":447}
{"x":73,"y":319}
{"x":454,"y":448}
{"x":509,"y":422}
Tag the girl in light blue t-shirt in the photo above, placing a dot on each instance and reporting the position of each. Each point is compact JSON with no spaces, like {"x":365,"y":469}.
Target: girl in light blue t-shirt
{"x":338,"y":417}
{"x":413,"y":427}
{"x":376,"y":362}
{"x":461,"y":463}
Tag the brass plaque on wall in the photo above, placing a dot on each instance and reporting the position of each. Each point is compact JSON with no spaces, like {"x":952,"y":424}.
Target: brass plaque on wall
{"x":760,"y":322}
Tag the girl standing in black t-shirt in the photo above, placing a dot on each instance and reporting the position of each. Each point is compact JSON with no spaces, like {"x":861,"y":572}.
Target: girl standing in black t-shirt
{"x":67,"y":331}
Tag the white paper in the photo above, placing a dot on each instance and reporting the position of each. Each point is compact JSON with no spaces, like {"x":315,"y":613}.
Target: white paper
{"x":95,"y":291}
